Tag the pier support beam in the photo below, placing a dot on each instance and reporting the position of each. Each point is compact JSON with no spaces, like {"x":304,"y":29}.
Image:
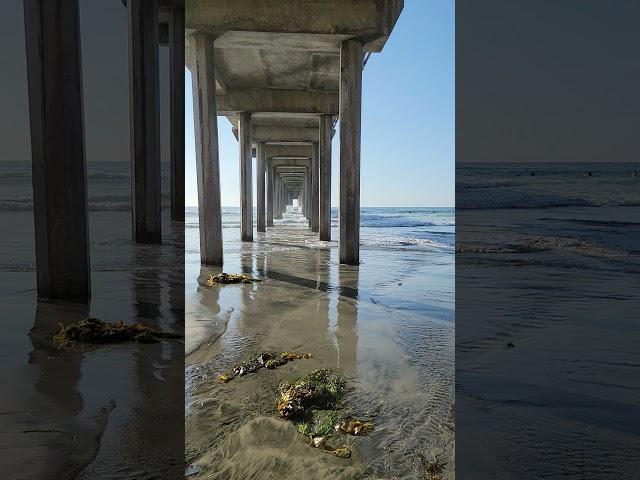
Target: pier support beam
{"x":325,"y":177}
{"x":144,"y":120}
{"x":308,"y":186}
{"x":207,"y":156}
{"x":176,"y":80}
{"x":301,"y":198}
{"x":350,"y":107}
{"x":315,"y":188}
{"x":260,"y":174}
{"x":59,"y":179}
{"x":246,"y":185}
{"x":270,"y":197}
{"x":277,"y":213}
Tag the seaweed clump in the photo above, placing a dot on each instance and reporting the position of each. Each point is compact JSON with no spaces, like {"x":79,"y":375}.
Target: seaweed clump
{"x":319,"y":442}
{"x":433,"y":469}
{"x":268,"y":360}
{"x":228,"y":278}
{"x":92,"y":330}
{"x":315,"y":404}
{"x":321,"y":389}
{"x":353,"y":427}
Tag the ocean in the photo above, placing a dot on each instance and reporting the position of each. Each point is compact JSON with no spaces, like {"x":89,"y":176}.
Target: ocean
{"x":547,"y":273}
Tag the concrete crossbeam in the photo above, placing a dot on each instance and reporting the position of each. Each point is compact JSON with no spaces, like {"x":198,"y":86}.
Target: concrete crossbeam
{"x":276,"y":134}
{"x":369,"y":20}
{"x":299,"y":151}
{"x":273,"y":100}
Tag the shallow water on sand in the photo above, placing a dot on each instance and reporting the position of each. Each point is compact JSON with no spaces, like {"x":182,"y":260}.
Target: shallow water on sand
{"x":387,"y":325}
{"x":110,"y":411}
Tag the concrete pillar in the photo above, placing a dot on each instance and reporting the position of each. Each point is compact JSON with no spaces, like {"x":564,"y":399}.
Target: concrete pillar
{"x":350,"y":105}
{"x":325,"y":177}
{"x":246,"y":186}
{"x":144,"y":120}
{"x":207,"y":156}
{"x":176,"y":80}
{"x":270,"y":188}
{"x":59,"y":179}
{"x":315,"y":189}
{"x":308,"y":185}
{"x":277,"y":213}
{"x":283,"y":198}
{"x":260,"y":174}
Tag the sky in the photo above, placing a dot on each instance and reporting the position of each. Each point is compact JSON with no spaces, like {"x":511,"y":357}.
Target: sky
{"x":547,"y":81}
{"x":408,"y":119}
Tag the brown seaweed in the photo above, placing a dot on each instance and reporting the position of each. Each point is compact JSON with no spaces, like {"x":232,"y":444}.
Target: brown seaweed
{"x":354,"y":427}
{"x":92,"y":330}
{"x":229,"y":278}
{"x":319,"y":389}
{"x":268,"y":360}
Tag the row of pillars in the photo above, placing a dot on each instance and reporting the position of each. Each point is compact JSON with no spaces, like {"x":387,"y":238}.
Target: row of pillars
{"x":316,"y":189}
{"x":54,"y":70}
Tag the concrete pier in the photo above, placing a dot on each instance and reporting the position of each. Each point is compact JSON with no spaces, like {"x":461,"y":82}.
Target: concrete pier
{"x":176,"y":127}
{"x":144,"y":104}
{"x":277,"y":212}
{"x":246,"y":186}
{"x":296,"y":65}
{"x":350,"y":108}
{"x":54,"y":70}
{"x":270,"y":188}
{"x":315,"y":188}
{"x":207,"y":155}
{"x":309,"y":186}
{"x":260,"y":190}
{"x":325,"y":177}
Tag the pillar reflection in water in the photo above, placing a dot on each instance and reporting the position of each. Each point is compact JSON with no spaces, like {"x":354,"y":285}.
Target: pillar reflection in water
{"x":347,"y":322}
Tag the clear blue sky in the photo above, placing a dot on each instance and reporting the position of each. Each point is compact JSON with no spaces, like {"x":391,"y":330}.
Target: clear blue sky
{"x":408,"y":119}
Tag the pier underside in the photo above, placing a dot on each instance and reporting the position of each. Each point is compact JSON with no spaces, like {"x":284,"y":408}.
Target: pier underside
{"x":284,"y":74}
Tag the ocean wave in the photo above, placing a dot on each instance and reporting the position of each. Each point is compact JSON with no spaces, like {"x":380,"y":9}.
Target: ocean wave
{"x":95,"y":174}
{"x":403,"y":242}
{"x":533,"y":244}
{"x":16,"y":174}
{"x":530,"y":202}
{"x":484,"y":185}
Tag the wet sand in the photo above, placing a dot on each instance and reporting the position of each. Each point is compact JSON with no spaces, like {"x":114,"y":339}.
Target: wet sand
{"x":107,"y":412}
{"x":386,"y":325}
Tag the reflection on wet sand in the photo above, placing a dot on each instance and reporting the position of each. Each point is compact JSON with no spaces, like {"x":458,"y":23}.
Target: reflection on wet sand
{"x":347,"y":323}
{"x":95,"y":411}
{"x":307,"y":302}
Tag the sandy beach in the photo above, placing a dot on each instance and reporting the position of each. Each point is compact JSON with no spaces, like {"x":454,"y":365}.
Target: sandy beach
{"x":386,"y":325}
{"x":101,"y":411}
